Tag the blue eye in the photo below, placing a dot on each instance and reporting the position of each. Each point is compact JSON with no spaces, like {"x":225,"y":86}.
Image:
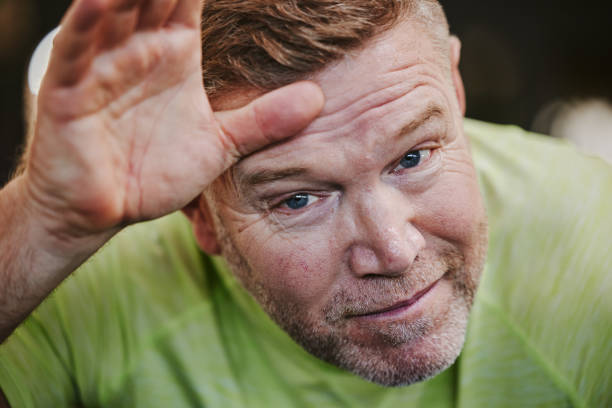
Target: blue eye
{"x":411,"y":159}
{"x":297,"y":201}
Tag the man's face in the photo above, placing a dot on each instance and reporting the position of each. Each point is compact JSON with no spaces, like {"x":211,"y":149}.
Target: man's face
{"x":364,"y":236}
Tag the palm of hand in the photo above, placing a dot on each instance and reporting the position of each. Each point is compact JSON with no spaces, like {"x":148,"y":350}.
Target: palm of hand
{"x":132,"y":138}
{"x":124,"y":130}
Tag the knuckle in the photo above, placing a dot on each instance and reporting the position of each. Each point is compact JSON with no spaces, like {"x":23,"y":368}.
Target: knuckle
{"x":228,"y":143}
{"x":260,"y":123}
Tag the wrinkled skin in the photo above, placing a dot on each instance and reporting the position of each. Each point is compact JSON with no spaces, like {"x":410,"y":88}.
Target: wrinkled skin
{"x":366,"y":254}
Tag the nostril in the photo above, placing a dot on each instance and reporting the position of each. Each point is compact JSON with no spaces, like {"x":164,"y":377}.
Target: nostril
{"x":374,"y":261}
{"x":388,"y":241}
{"x":363,"y":260}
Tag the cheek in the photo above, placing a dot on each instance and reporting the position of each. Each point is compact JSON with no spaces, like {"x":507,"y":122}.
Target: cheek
{"x":299,"y":270}
{"x":453,"y":208}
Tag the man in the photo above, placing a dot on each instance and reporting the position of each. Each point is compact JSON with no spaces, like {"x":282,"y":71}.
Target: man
{"x":355,"y":220}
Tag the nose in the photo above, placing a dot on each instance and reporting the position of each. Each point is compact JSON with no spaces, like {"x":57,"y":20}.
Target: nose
{"x":386,"y":241}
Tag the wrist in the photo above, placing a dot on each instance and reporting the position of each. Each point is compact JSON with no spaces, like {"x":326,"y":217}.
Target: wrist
{"x":32,"y":261}
{"x":47,"y":229}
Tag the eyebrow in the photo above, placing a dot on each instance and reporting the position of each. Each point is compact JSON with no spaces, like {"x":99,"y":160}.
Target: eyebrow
{"x":267,"y":176}
{"x":431,"y":110}
{"x":250,"y":180}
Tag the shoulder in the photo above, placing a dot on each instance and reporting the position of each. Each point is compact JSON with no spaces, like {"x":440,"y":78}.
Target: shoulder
{"x":543,"y":188}
{"x":139,"y":286}
{"x":549,"y":268}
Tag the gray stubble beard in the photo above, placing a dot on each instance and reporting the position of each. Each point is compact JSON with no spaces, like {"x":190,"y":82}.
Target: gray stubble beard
{"x":405,"y":353}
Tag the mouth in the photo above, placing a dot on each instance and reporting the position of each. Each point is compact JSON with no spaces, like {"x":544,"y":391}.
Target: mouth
{"x":399,"y":307}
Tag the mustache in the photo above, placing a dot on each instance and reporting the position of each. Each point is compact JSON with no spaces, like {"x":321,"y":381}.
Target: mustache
{"x":380,"y":292}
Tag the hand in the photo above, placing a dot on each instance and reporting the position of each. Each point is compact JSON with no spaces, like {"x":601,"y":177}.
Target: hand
{"x":124,"y":130}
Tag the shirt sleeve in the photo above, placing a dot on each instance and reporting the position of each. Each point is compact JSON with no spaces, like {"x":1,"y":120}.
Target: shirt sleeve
{"x":34,"y":368}
{"x":78,"y":346}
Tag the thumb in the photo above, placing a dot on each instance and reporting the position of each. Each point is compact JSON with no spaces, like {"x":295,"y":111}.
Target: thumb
{"x":270,"y":118}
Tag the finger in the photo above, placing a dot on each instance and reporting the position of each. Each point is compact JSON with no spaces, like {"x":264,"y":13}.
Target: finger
{"x":67,"y":73}
{"x":73,"y":45}
{"x":124,"y":5}
{"x":117,"y":27}
{"x":155,"y":13}
{"x":88,"y":26}
{"x":83,"y":15}
{"x":79,"y":27}
{"x":275,"y":116}
{"x":118,"y":23}
{"x":188,"y":13}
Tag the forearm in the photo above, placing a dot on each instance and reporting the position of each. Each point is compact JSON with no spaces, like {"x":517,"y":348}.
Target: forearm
{"x":33,"y":260}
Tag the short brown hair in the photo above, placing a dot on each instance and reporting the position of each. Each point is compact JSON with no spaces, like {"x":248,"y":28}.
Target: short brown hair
{"x":266,"y":44}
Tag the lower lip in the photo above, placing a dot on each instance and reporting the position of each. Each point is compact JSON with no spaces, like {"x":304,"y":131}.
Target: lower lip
{"x":410,"y":304}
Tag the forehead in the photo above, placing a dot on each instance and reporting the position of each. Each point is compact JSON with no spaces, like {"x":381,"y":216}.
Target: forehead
{"x":374,"y":91}
{"x":372,"y":67}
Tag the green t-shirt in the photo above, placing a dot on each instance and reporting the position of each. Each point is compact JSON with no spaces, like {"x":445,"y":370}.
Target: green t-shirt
{"x":152,"y":322}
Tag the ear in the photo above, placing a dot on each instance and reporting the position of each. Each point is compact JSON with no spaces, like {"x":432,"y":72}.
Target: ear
{"x":455,"y":55}
{"x":198,"y":212}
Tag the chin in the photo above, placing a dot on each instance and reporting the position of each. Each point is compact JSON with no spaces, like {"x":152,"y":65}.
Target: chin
{"x":411,"y":363}
{"x":397,"y":355}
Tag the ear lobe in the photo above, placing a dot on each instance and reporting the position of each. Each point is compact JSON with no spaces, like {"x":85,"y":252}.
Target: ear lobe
{"x":455,"y":55}
{"x":201,"y":219}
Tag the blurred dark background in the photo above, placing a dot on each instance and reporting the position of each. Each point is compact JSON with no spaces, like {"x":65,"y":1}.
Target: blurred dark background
{"x":518,"y":57}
